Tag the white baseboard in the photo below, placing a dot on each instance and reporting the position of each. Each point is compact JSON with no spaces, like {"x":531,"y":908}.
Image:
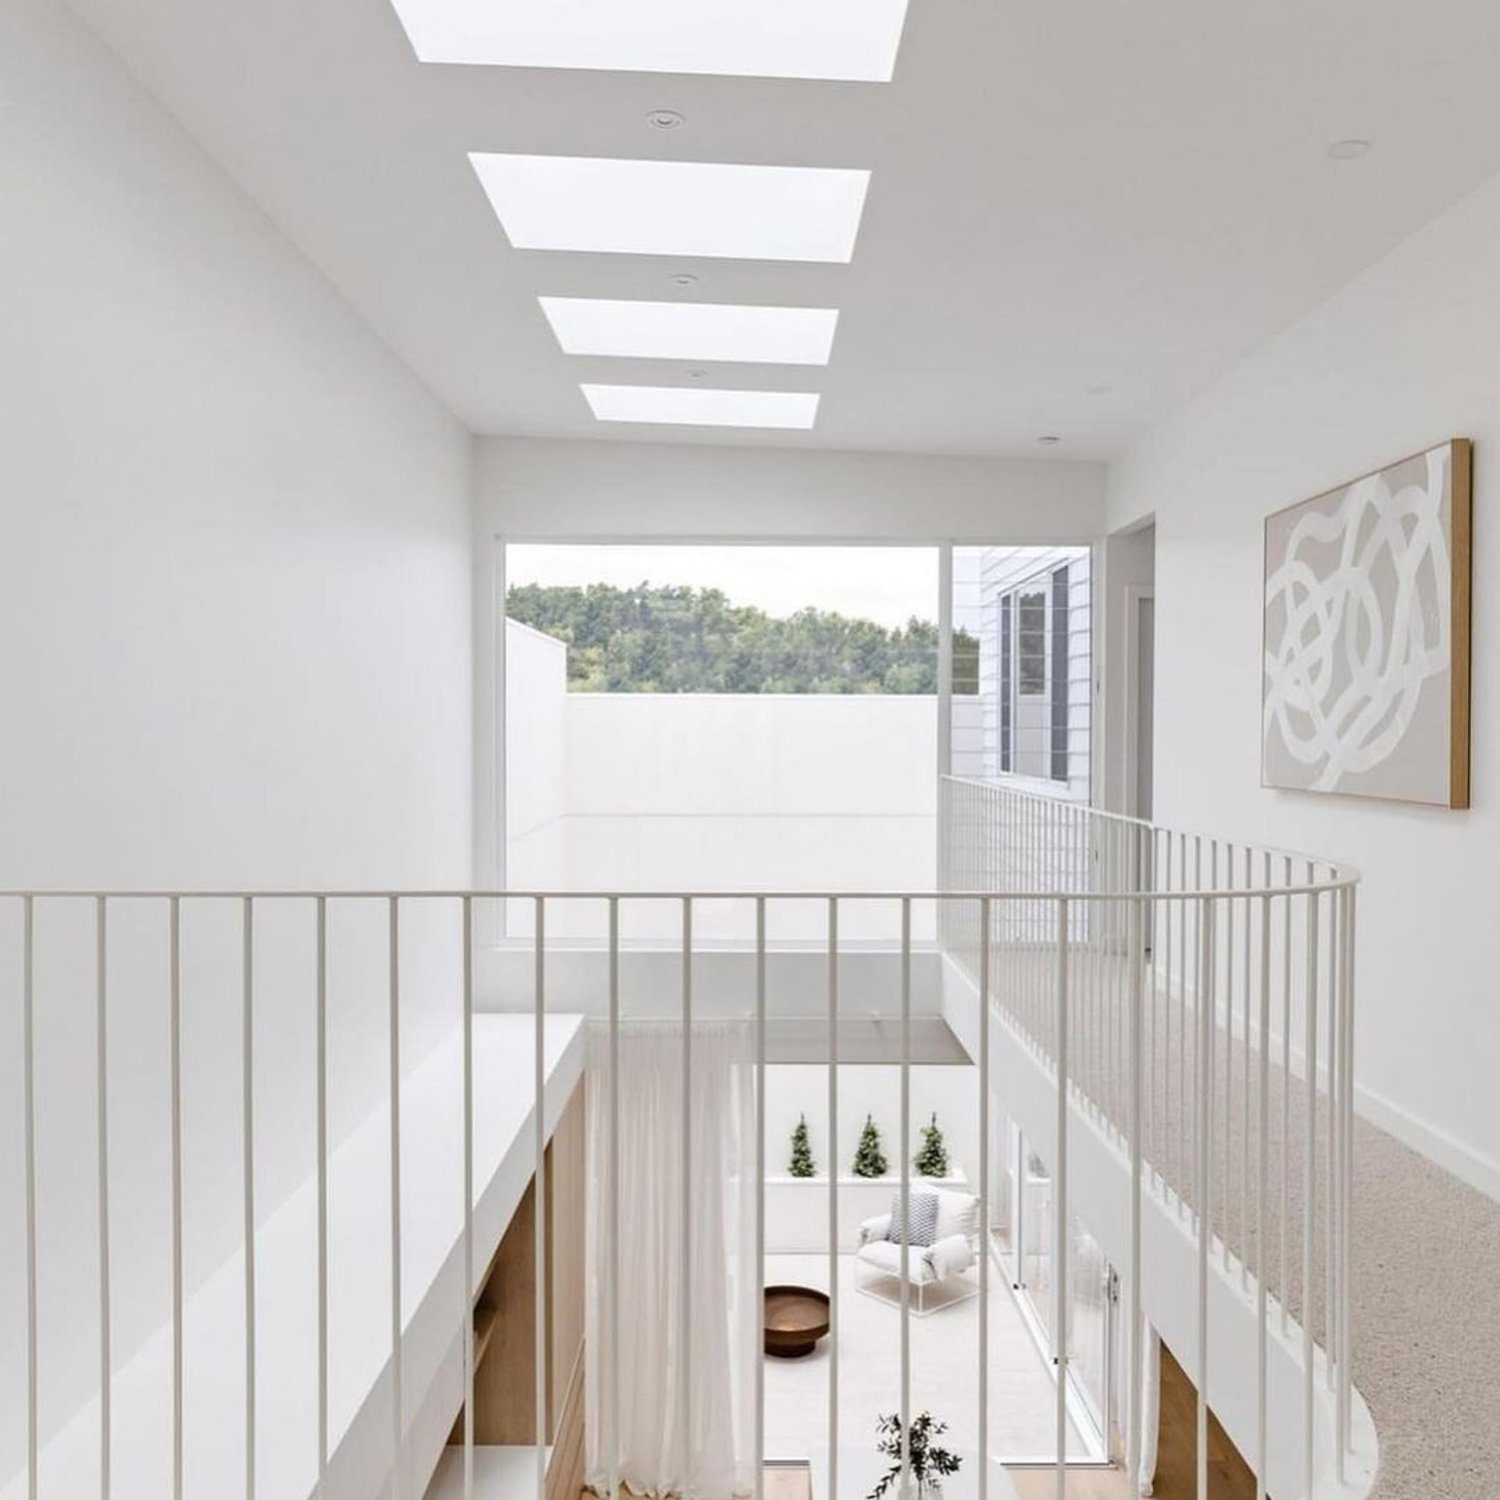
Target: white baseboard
{"x":1480,"y":1172}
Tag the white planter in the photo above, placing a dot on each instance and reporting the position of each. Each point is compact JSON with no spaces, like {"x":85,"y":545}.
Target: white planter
{"x":797,"y":1209}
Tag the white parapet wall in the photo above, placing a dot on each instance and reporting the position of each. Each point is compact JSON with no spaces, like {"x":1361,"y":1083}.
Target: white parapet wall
{"x":715,"y":791}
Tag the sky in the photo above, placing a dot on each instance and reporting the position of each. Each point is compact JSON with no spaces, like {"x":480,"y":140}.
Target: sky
{"x":885,"y":584}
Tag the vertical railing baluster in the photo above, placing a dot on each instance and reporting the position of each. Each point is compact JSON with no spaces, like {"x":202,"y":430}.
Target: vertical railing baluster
{"x":1347,"y":1169}
{"x":393,"y":1058}
{"x":905,"y":1192}
{"x":1060,"y":1213}
{"x":1204,"y":1083}
{"x":28,"y":1126}
{"x":539,"y":1190}
{"x":833,"y":1196}
{"x":1330,"y":1218}
{"x":1284,"y":1284}
{"x":1137,"y":1186}
{"x":760,"y":1182}
{"x":685,"y":1310}
{"x":1245,"y":1135}
{"x":321,"y":1129}
{"x":1227,"y":906}
{"x":174,"y":1085}
{"x":101,"y":1105}
{"x":1161,"y":1009}
{"x":984,"y":1198}
{"x":467,"y":918}
{"x":1262,"y":1165}
{"x":1184,"y":1048}
{"x":613,"y":1366}
{"x":1309,"y":1188}
{"x":247,"y":1098}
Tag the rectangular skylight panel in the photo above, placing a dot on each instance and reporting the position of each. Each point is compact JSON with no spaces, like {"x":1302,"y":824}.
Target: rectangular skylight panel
{"x":692,"y":406}
{"x":692,"y":330}
{"x":836,"y":39}
{"x":688,"y":208}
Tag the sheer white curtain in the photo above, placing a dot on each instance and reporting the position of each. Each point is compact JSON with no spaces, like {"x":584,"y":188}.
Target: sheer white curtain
{"x":686,"y":1325}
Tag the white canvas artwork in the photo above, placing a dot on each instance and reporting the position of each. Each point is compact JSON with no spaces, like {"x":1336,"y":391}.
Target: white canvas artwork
{"x":1365,"y":689}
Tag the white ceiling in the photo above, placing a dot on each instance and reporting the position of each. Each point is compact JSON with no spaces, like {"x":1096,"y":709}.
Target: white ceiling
{"x":1080,"y":210}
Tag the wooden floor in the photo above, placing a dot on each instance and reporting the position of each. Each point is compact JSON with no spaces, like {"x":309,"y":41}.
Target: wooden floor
{"x":1229,"y":1476}
{"x":1082,"y":1484}
{"x":787,"y":1482}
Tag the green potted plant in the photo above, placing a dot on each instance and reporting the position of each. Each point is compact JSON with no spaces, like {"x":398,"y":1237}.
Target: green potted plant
{"x":932,"y":1159}
{"x":928,"y":1463}
{"x":802,"y":1163}
{"x":869,"y":1155}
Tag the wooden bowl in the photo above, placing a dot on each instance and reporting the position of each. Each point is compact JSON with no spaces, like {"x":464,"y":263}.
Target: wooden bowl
{"x":796,"y":1317}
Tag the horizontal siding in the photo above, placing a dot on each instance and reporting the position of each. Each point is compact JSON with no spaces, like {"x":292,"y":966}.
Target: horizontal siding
{"x":982,"y":577}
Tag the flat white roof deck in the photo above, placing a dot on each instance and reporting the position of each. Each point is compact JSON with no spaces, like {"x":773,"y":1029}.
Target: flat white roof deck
{"x":286,"y":1331}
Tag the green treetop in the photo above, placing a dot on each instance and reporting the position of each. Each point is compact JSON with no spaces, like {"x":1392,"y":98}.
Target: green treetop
{"x":656,"y":638}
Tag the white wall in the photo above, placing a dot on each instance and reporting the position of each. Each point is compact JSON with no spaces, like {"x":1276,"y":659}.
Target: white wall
{"x":704,"y":792}
{"x":543,"y":490}
{"x":536,"y":757}
{"x":235,"y":574}
{"x":1407,"y":355}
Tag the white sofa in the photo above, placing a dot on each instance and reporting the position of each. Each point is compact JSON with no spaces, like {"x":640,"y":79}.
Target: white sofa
{"x":936,"y":1272}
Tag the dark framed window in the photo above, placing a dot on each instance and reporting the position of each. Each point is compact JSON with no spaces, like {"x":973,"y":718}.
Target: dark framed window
{"x":1035,"y":664}
{"x":1007,"y":682}
{"x":1060,"y":656}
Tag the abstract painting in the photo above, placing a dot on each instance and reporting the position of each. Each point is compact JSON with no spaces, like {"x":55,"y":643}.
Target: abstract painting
{"x":1365,"y":689}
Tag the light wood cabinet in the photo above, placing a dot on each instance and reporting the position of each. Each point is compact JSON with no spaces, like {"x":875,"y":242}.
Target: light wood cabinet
{"x":505,"y":1331}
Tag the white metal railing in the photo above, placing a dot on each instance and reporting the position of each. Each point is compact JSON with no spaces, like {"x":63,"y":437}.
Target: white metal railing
{"x":1127,"y":960}
{"x":1198,"y":995}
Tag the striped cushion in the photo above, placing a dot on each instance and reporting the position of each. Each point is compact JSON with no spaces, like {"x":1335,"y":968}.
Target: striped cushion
{"x":924,"y":1211}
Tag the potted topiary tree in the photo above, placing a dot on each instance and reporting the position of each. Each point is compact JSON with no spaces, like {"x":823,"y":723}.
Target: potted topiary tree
{"x":869,"y":1156}
{"x":928,"y":1463}
{"x":932,"y":1159}
{"x":802,"y":1163}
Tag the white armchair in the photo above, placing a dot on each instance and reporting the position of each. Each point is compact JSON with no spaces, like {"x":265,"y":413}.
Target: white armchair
{"x":939,"y":1268}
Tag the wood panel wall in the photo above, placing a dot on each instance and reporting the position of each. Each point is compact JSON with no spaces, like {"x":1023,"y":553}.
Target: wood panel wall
{"x":1229,"y":1476}
{"x":505,"y":1312}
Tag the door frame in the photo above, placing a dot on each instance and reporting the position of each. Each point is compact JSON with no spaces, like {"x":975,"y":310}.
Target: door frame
{"x":1135,"y":595}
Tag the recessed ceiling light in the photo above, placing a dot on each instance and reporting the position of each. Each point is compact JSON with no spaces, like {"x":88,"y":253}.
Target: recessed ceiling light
{"x":699,"y":406}
{"x":852,"y":39}
{"x":674,"y":207}
{"x":1049,"y":438}
{"x":692,"y":330}
{"x":664,"y":119}
{"x":1350,"y":150}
